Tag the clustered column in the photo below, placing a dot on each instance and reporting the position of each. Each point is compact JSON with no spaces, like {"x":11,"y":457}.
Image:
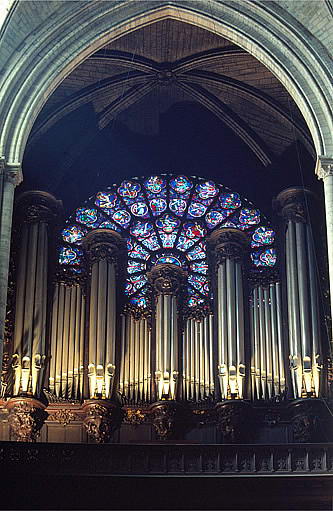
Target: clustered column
{"x":167,"y":281}
{"x":102,"y":248}
{"x":38,"y":210}
{"x":229,"y":246}
{"x":302,"y":293}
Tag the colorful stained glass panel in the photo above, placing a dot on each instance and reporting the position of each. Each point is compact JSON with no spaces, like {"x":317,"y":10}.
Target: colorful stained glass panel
{"x":181,"y":184}
{"x":87,"y":216}
{"x":106,"y":200}
{"x":168,"y":240}
{"x":266,"y":257}
{"x":230,"y":200}
{"x":122,"y":218}
{"x":167,"y":223}
{"x":142,"y":229}
{"x":178,"y":206}
{"x":157,"y":206}
{"x":155,"y":184}
{"x":207,"y":190}
{"x":73,"y":234}
{"x":196,"y":210}
{"x":152,"y":242}
{"x":129,"y":189}
{"x":135,"y":266}
{"x":69,"y":255}
{"x":201,"y":267}
{"x":198,"y":252}
{"x":262,"y":236}
{"x":139,"y":209}
{"x":249,"y":216}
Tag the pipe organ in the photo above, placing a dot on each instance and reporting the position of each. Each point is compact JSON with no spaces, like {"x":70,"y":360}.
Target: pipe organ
{"x":302,"y":295}
{"x":193,"y":312}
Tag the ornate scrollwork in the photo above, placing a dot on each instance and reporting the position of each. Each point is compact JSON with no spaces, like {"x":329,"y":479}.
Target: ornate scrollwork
{"x":291,"y":204}
{"x":169,"y":419}
{"x":36,"y":206}
{"x":233,"y":420}
{"x":134,"y":416}
{"x":103,"y":244}
{"x":63,"y":416}
{"x":26,"y":418}
{"x":305,"y":415}
{"x":167,"y":279}
{"x":102,"y":418}
{"x":228,"y":244}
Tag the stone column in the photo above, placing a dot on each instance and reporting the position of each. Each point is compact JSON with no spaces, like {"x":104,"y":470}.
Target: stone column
{"x":302,"y":293}
{"x":229,"y":247}
{"x":167,"y":281}
{"x":324,"y":171}
{"x":10,"y":177}
{"x":102,"y":248}
{"x":37,"y":210}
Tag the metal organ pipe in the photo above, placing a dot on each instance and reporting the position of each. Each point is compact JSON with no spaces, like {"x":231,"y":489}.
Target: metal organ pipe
{"x":39,"y":210}
{"x":303,"y":313}
{"x":102,"y":247}
{"x":229,"y":246}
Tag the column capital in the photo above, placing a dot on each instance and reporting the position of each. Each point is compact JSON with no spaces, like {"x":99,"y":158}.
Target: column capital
{"x":38,"y":206}
{"x":324,"y":167}
{"x":292,"y":203}
{"x":102,"y":244}
{"x":228,"y":244}
{"x":12,"y":172}
{"x":167,"y":279}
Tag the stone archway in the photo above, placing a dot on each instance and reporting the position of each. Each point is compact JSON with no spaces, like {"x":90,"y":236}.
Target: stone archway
{"x":53,"y":41}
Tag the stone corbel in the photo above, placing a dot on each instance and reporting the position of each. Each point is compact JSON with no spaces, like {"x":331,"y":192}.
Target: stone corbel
{"x":26,"y":418}
{"x":324,"y":167}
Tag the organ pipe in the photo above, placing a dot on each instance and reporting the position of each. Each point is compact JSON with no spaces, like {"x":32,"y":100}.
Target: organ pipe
{"x":302,"y":294}
{"x":167,"y":281}
{"x":38,"y":210}
{"x":229,"y":245}
{"x":102,"y":248}
{"x":267,"y":368}
{"x":67,"y":336}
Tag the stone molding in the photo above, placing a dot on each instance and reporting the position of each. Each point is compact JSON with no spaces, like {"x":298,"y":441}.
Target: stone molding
{"x":324,"y":167}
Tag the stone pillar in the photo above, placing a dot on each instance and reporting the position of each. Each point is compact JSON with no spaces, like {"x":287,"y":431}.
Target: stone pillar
{"x":229,"y":247}
{"x":37,"y":211}
{"x":167,"y":281}
{"x":324,"y":171}
{"x":302,"y":293}
{"x":10,"y":177}
{"x":102,"y":248}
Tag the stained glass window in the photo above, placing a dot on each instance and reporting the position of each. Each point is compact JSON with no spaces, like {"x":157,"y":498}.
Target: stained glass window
{"x":165,"y":220}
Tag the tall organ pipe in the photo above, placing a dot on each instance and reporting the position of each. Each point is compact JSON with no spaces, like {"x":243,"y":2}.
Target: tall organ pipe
{"x":67,"y":347}
{"x":302,"y":293}
{"x":167,"y":281}
{"x":38,"y":210}
{"x":102,"y":248}
{"x":229,"y":246}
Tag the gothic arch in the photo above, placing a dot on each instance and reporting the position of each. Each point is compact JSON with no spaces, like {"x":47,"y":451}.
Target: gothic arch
{"x":54,"y":49}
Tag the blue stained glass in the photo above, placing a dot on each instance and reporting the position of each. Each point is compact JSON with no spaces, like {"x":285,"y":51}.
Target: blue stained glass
{"x":136,"y":251}
{"x":184,"y":243}
{"x":142,"y":229}
{"x":122,"y":218}
{"x":87,"y":216}
{"x":264,"y":258}
{"x":262,"y":236}
{"x":177,"y":206}
{"x":194,"y":230}
{"x":230,"y":200}
{"x":106,"y":200}
{"x":139,"y":209}
{"x":230,"y":223}
{"x":167,"y":223}
{"x":201,"y":267}
{"x":139,"y":301}
{"x":249,"y":216}
{"x":129,"y":288}
{"x":196,"y":209}
{"x":158,"y":206}
{"x":168,"y":240}
{"x":207,"y":190}
{"x":69,"y":255}
{"x":214,"y":218}
{"x":135,"y":266}
{"x":155,"y":184}
{"x":194,"y":301}
{"x":198,"y":252}
{"x":170,"y":259}
{"x":129,"y":189}
{"x":151,"y":243}
{"x":73,"y":234}
{"x":198,"y":282}
{"x":138,"y":281}
{"x":109,"y":225}
{"x":181,"y":184}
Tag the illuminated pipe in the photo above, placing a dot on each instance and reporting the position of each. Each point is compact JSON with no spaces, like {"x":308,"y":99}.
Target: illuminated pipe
{"x":223,"y":329}
{"x":240,"y":330}
{"x":274,"y":338}
{"x":268,"y":338}
{"x":280,"y":336}
{"x":54,"y":338}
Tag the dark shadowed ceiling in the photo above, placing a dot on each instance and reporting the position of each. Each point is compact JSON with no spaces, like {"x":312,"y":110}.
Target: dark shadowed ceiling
{"x":169,"y":97}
